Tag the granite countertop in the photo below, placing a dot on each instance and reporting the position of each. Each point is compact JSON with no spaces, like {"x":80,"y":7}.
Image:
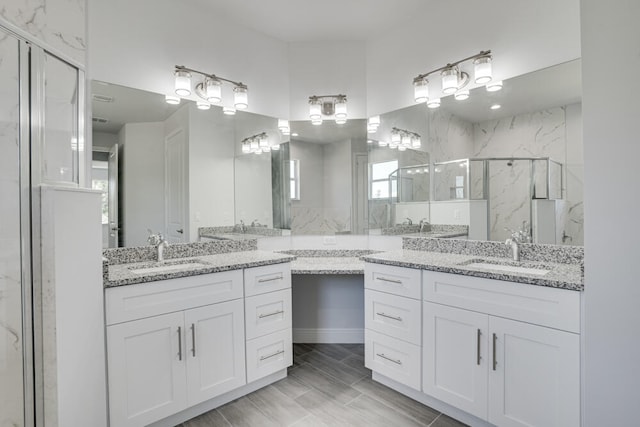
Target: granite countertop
{"x":322,"y":261}
{"x":122,"y":274}
{"x":437,"y":234}
{"x":233,"y":236}
{"x":561,"y":275}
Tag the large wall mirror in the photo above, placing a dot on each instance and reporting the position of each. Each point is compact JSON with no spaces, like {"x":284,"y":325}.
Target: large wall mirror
{"x":465,"y":167}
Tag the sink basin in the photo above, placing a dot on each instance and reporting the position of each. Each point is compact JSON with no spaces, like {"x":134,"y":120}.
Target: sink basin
{"x":167,"y":267}
{"x":508,"y":267}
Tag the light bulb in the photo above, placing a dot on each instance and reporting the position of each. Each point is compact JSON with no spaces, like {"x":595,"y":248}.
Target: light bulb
{"x":341,"y":121}
{"x":183,"y":83}
{"x":229,"y":111}
{"x":482,"y":69}
{"x":341,"y":108}
{"x":173,"y":100}
{"x":212,"y":90}
{"x":494,"y":86}
{"x":315,"y":110}
{"x":433,"y":103}
{"x":202,"y":105}
{"x":421,"y":90}
{"x":461,"y":95}
{"x":449,"y":80}
{"x":240,"y":97}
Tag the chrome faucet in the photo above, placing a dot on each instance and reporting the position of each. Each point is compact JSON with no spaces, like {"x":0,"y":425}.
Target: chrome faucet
{"x":160,"y":243}
{"x":243,"y":228}
{"x":255,"y":223}
{"x":424,"y":223}
{"x":515,"y":247}
{"x":408,"y":222}
{"x":518,"y":237}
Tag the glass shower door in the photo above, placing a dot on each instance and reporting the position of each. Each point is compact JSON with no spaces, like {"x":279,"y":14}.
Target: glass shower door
{"x":12,"y":342}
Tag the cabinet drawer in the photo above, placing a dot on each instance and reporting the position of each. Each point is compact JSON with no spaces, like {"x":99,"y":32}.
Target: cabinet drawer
{"x":269,"y":354}
{"x":541,"y":305}
{"x":267,"y":313}
{"x":393,"y":280}
{"x":132,"y":302}
{"x":396,"y":316}
{"x":268,"y":278}
{"x":393,"y":358}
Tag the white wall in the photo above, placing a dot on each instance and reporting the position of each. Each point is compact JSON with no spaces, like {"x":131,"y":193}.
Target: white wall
{"x":611,"y":35}
{"x":138,"y":43}
{"x":142,"y":181}
{"x":104,"y":140}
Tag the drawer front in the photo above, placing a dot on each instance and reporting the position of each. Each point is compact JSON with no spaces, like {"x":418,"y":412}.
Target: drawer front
{"x":267,"y":313}
{"x":393,"y":358}
{"x":268,"y":354}
{"x":541,"y":305}
{"x":268,"y":278}
{"x":393,"y":280}
{"x":392,"y":315}
{"x":125,"y":303}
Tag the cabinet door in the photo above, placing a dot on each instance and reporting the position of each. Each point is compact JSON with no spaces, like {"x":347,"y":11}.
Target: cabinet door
{"x":455,"y":357}
{"x":147,"y":378}
{"x":215,"y":350}
{"x":534,"y":377}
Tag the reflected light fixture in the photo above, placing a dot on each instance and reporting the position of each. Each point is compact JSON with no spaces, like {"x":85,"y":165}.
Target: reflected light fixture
{"x":173,"y":100}
{"x":454,"y":79}
{"x":210,"y":88}
{"x":229,"y":111}
{"x":494,"y":86}
{"x":334,"y":106}
{"x":283,"y":125}
{"x":203,"y":105}
{"x":258,"y":144}
{"x":372,"y":124}
{"x":401,"y":139}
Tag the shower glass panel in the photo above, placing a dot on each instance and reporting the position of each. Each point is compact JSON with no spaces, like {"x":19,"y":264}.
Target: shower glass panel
{"x":12,"y":403}
{"x":414,"y":184}
{"x":540,"y":189}
{"x":477,"y":179}
{"x":555,"y":180}
{"x":451,"y":180}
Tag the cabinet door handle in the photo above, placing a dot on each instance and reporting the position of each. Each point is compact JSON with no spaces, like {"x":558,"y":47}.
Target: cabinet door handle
{"x":193,"y":339}
{"x":179,"y":342}
{"x":180,"y":230}
{"x":271,"y":355}
{"x":270,"y":279}
{"x":384,"y":279}
{"x":495,"y":361}
{"x":396,"y":361}
{"x":399,"y":319}
{"x":262,"y":316}
{"x":478,"y":348}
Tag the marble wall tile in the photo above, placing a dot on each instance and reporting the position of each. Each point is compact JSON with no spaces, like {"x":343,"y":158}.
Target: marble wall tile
{"x":60,"y":24}
{"x":317,"y":220}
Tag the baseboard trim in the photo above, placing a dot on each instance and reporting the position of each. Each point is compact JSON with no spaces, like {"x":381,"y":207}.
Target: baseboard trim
{"x":328,"y":335}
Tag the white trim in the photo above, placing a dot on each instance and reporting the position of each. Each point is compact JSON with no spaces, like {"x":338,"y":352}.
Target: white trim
{"x":329,"y":335}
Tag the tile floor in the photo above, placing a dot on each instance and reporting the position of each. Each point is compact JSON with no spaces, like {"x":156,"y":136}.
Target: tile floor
{"x":327,"y":385}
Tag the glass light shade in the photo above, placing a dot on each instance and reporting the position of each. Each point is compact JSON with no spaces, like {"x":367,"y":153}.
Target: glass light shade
{"x":383,"y":143}
{"x":315,"y":110}
{"x":183,"y":83}
{"x":264,"y":142}
{"x":372,"y":128}
{"x":212,"y":90}
{"x":173,"y":100}
{"x":254,"y":146}
{"x":395,"y":138}
{"x":341,"y":108}
{"x":316,"y":122}
{"x":462,"y":95}
{"x":283,"y":125}
{"x":406,"y":141}
{"x":449,"y":80}
{"x":229,"y":111}
{"x":258,"y":152}
{"x":246,"y":148}
{"x":415,"y":142}
{"x":402,"y":148}
{"x":275,"y":147}
{"x":421,"y":90}
{"x":341,"y":121}
{"x":240,"y":97}
{"x":494,"y":86}
{"x":202,"y":105}
{"x":433,"y":103}
{"x":482,"y":70}
{"x":374,"y":121}
{"x":265,"y":149}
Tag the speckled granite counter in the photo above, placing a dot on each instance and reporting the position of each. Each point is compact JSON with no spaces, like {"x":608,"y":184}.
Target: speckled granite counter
{"x":561,"y":275}
{"x":122,"y":274}
{"x":339,"y":261}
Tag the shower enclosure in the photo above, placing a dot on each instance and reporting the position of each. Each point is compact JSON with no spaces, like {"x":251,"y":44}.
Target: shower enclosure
{"x":516,"y":190}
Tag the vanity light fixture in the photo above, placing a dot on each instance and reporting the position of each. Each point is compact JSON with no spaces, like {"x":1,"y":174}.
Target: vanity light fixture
{"x":494,"y":86}
{"x":173,"y":100}
{"x":401,"y":139}
{"x":454,"y":79}
{"x":229,"y":111}
{"x":328,"y":105}
{"x":258,"y":144}
{"x":210,"y":88}
{"x":283,"y":125}
{"x":203,"y":105}
{"x":372,"y":124}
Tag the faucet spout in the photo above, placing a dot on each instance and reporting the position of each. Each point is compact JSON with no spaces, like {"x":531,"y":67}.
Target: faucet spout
{"x":515,"y":248}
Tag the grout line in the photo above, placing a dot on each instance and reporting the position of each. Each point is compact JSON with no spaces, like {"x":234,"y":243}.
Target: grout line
{"x":223,"y":417}
{"x":435,"y":419}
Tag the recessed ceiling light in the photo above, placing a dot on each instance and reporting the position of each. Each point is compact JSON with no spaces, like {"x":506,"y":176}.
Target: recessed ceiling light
{"x":294,"y":134}
{"x":495,"y":106}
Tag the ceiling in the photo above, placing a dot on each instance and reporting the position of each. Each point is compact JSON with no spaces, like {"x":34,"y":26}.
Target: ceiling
{"x":296,"y":21}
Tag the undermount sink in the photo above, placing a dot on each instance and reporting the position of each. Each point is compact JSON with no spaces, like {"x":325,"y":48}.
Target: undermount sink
{"x":167,"y":266}
{"x":508,"y":266}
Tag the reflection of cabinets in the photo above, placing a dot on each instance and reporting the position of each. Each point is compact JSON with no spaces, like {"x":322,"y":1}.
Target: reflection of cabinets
{"x":176,"y":343}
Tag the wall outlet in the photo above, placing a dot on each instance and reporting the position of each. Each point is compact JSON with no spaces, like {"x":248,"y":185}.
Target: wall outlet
{"x":329,"y":240}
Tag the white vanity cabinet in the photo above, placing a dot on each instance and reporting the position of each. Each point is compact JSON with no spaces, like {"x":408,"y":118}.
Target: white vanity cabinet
{"x":505,"y":352}
{"x":392,"y":322}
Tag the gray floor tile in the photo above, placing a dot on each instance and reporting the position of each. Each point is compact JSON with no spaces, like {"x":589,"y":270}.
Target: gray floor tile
{"x":330,"y":411}
{"x":357,"y":362}
{"x":332,"y":350}
{"x":325,"y":383}
{"x":445,"y":421}
{"x":243,"y":413}
{"x":380,"y":414}
{"x":338,"y":370}
{"x":291,"y":387}
{"x":357,"y":349}
{"x":299,"y":349}
{"x":309,"y":421}
{"x":399,"y":402}
{"x":277,"y":406}
{"x":208,"y":419}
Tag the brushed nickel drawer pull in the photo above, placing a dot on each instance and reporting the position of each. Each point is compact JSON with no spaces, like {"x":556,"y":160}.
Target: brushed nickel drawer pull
{"x":193,"y":339}
{"x":179,"y":342}
{"x":270,"y":279}
{"x":396,"y":361}
{"x":384,"y":279}
{"x":478,"y":350}
{"x":271,"y":355}
{"x":495,"y":361}
{"x":262,"y":316}
{"x":399,"y":319}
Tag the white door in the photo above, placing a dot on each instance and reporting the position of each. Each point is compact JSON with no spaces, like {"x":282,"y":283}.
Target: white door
{"x":534,"y":377}
{"x":112,"y":172}
{"x":455,"y":357}
{"x":147,"y":369}
{"x":175,"y":181}
{"x":215,"y":350}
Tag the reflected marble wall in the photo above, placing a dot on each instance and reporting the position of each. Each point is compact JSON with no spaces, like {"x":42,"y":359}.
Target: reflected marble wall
{"x":60,"y":24}
{"x":310,"y":220}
